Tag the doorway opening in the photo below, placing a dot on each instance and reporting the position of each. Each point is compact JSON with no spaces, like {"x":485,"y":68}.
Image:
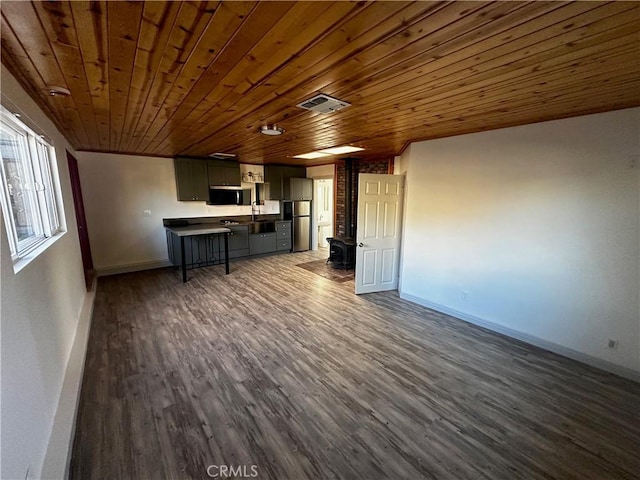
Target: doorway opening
{"x":323,"y":211}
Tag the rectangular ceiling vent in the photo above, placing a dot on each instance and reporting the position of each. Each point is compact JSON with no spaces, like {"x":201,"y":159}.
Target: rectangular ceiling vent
{"x":222,"y":156}
{"x":323,"y":104}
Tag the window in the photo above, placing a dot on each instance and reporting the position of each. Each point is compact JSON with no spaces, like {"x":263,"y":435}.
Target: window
{"x":29,"y":201}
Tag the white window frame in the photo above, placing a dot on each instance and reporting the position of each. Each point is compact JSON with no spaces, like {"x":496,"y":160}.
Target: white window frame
{"x":38,"y":162}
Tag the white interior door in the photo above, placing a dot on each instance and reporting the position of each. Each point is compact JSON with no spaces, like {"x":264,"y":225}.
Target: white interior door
{"x":378,"y":232}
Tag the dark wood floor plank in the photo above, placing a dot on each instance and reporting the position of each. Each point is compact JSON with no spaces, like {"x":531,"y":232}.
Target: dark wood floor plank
{"x":278,"y":367}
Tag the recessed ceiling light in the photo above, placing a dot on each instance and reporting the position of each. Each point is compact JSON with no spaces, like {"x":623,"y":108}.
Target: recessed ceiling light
{"x":312,"y":155}
{"x":341,"y":150}
{"x":272,"y":130}
{"x":329,"y":151}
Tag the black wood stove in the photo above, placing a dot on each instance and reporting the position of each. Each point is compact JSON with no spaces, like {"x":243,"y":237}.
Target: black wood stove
{"x":342,"y":252}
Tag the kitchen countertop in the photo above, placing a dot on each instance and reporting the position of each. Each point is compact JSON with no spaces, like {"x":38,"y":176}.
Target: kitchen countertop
{"x":249,"y":222}
{"x":217,"y":221}
{"x":197,"y":230}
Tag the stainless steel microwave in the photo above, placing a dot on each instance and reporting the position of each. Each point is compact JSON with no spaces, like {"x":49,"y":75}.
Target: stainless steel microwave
{"x":226,"y":195}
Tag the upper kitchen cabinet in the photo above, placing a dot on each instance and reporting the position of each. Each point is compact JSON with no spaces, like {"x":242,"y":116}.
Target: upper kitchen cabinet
{"x":278,"y":177}
{"x":301,"y":188}
{"x":191,"y":179}
{"x":273,"y":176}
{"x":293,"y":172}
{"x":223,"y":173}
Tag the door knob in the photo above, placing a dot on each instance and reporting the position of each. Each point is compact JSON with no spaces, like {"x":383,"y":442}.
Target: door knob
{"x":361,"y":244}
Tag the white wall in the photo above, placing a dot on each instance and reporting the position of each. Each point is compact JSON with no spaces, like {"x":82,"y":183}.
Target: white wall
{"x":41,"y":319}
{"x":321,"y":171}
{"x":539,"y":224}
{"x":117,"y":189}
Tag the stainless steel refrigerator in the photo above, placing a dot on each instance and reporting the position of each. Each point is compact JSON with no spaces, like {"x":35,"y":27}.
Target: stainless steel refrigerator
{"x":301,"y":225}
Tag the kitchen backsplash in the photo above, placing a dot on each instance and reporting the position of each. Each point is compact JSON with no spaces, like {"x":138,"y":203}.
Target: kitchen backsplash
{"x":270,"y":207}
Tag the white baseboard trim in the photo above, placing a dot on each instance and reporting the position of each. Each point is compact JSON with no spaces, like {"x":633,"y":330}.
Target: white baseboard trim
{"x":134,"y":267}
{"x":538,"y":342}
{"x":58,"y":457}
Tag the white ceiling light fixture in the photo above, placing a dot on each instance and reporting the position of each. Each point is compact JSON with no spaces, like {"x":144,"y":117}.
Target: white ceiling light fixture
{"x":341,"y":150}
{"x":272,"y":130}
{"x":312,"y":155}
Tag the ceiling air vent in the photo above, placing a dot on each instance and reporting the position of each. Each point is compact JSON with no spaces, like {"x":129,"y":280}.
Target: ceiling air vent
{"x":222,"y":156}
{"x":324,"y":104}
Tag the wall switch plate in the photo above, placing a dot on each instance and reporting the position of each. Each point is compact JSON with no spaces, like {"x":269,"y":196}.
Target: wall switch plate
{"x":146,"y":213}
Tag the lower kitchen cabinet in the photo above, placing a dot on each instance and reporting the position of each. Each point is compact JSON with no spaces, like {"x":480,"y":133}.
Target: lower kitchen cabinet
{"x":260,"y":243}
{"x":283,"y":245}
{"x":238,"y":241}
{"x":283,"y":234}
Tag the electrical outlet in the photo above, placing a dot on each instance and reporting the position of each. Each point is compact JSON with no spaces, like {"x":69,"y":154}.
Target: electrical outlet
{"x":612,"y":344}
{"x":633,"y":161}
{"x":464,"y":296}
{"x":146,"y":213}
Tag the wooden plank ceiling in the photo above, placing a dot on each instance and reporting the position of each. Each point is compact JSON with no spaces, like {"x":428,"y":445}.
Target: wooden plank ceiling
{"x":192,"y":78}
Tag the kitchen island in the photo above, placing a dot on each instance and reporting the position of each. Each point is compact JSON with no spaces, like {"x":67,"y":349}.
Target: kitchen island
{"x":246,"y":236}
{"x":204,"y":245}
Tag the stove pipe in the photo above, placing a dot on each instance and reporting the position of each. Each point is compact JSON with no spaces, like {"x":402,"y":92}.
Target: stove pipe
{"x":348,"y":196}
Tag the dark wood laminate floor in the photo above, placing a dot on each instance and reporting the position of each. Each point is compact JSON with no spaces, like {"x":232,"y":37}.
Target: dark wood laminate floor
{"x":277,"y":367}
